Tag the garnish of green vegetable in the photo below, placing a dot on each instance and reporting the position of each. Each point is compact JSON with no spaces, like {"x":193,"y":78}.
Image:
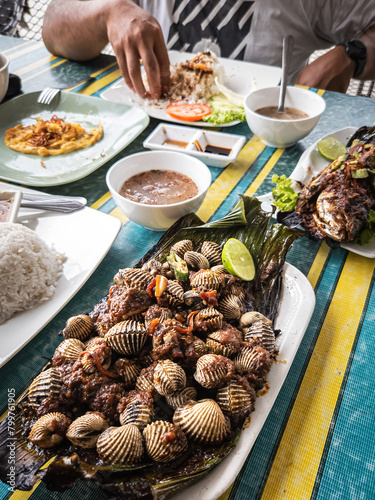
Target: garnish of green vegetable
{"x":179,"y":266}
{"x":360,"y":173}
{"x":285,"y":198}
{"x":224,"y":111}
{"x":368,"y":230}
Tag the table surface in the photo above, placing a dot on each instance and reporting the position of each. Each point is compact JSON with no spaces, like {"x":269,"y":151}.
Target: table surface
{"x":318,"y":441}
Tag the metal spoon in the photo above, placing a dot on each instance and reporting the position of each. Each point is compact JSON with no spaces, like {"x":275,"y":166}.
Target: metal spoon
{"x":288,"y":44}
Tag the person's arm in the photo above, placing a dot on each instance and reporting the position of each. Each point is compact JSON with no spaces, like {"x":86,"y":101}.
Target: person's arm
{"x":80,"y":29}
{"x":334,"y":69}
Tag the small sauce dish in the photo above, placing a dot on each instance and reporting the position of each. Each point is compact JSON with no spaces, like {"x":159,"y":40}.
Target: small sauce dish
{"x":10,"y":202}
{"x":216,"y":149}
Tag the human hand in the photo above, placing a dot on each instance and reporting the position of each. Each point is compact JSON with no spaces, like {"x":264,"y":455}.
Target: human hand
{"x":332,"y":71}
{"x":135,"y":36}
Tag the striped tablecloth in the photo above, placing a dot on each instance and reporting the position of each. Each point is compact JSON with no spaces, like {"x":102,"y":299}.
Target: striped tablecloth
{"x":318,"y":441}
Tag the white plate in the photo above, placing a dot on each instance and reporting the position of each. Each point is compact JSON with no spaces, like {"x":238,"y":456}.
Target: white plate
{"x":296,"y":307}
{"x":75,"y":235}
{"x":240,"y":77}
{"x":188,"y":138}
{"x":310,"y":164}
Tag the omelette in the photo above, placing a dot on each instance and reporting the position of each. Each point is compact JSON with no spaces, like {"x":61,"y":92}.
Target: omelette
{"x":51,"y":137}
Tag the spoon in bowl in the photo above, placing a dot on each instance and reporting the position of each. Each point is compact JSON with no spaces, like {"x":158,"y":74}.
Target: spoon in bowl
{"x":288,"y":44}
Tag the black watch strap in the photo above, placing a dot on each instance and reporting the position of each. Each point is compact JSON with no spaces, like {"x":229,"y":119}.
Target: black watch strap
{"x":357,"y":51}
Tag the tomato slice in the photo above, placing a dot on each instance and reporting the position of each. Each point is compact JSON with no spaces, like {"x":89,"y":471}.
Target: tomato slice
{"x":188,"y":111}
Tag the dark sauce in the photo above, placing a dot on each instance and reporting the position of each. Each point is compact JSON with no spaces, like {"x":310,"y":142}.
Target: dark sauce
{"x":217,"y":150}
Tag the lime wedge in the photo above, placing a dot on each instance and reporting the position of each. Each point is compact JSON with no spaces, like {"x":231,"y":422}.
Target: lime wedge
{"x":331,"y":148}
{"x":237,"y":260}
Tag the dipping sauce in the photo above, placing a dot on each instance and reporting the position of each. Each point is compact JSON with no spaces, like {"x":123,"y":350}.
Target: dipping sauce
{"x":179,"y":144}
{"x":288,"y":114}
{"x":217,"y":150}
{"x":5,"y":206}
{"x":159,"y":187}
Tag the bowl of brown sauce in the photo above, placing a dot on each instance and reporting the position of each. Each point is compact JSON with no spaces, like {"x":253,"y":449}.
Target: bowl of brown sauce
{"x":302,"y":111}
{"x":156,"y":188}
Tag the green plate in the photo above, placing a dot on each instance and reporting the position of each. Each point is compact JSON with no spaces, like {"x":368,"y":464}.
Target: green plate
{"x":121,"y":125}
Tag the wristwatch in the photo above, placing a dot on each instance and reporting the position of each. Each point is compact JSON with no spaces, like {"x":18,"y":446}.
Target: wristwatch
{"x":357,"y":51}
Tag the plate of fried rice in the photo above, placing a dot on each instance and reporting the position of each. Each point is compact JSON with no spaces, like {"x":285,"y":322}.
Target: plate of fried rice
{"x":193,"y":78}
{"x":44,"y":261}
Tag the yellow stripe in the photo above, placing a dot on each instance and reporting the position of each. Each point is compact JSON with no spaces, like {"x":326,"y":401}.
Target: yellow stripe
{"x":265,"y":171}
{"x":36,"y":64}
{"x":16,"y":47}
{"x":294,"y":470}
{"x":99,"y":203}
{"x":116,"y":212}
{"x":318,"y":264}
{"x":24,"y":51}
{"x":99,"y":84}
{"x":44,"y":70}
{"x":226,"y":181}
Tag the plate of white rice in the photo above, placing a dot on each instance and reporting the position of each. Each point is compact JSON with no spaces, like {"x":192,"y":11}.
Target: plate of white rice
{"x":43,"y":263}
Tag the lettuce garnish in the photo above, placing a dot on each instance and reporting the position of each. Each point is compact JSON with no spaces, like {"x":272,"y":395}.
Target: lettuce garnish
{"x":285,"y":198}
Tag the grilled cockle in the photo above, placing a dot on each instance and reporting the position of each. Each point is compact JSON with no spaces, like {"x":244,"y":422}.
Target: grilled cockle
{"x":337,"y":201}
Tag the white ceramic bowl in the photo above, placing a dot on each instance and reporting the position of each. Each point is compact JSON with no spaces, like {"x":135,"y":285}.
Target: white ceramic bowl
{"x":283,"y":133}
{"x":158,"y":217}
{"x":4,"y":75}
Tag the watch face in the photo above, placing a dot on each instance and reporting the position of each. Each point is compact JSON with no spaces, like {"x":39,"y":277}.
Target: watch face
{"x":356,"y":49}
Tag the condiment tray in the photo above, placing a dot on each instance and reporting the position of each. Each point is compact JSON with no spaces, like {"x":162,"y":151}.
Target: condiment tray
{"x":216,"y":149}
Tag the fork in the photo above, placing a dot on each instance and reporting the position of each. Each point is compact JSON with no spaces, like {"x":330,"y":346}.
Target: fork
{"x":47,"y":95}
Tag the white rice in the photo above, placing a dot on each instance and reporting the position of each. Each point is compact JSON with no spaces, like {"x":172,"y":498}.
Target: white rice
{"x":29,"y":269}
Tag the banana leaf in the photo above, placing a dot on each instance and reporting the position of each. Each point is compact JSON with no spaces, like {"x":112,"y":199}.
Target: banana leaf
{"x":62,"y":467}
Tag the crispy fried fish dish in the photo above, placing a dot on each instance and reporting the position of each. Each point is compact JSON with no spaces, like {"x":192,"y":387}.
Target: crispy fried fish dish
{"x":51,"y":137}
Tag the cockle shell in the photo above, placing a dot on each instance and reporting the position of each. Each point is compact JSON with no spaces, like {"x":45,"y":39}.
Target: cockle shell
{"x":144,"y":383}
{"x":212,"y":251}
{"x":120,"y":445}
{"x":181,"y":247}
{"x":43,"y":432}
{"x":251,"y":317}
{"x":127,"y":337}
{"x":231,"y":307}
{"x":164,"y":441}
{"x":95,"y":348}
{"x":165,"y":314}
{"x":208,"y":320}
{"x":78,"y":327}
{"x":263,"y":332}
{"x":169,"y":377}
{"x":248,"y":360}
{"x":196,"y":260}
{"x":199,"y":346}
{"x":194,"y":300}
{"x":137,"y":413}
{"x":214,"y":346}
{"x":206,"y":279}
{"x":187,"y":395}
{"x":202,"y":421}
{"x":84,"y":431}
{"x":133,"y":278}
{"x":233,"y":399}
{"x":47,"y":383}
{"x":174,"y":293}
{"x":129,"y":371}
{"x":212,"y":371}
{"x":71,"y":348}
{"x":219,"y":269}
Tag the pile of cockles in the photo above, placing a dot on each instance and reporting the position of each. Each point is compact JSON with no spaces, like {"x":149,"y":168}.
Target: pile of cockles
{"x":170,"y":359}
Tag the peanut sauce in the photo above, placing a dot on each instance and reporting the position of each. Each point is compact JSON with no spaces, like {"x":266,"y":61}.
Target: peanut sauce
{"x":159,"y":187}
{"x":288,"y":113}
{"x":179,"y":144}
